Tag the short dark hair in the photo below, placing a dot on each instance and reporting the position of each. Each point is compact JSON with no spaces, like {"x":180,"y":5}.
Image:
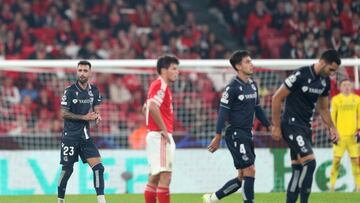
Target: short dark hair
{"x":165,"y":62}
{"x":330,"y":56}
{"x":237,"y":57}
{"x":83,"y":62}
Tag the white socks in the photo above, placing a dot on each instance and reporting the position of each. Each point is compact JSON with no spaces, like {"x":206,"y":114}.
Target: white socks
{"x":61,"y":200}
{"x":213,"y":198}
{"x":101,"y":199}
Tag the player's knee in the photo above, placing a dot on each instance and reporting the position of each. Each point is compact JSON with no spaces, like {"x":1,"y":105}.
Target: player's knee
{"x":249,"y":171}
{"x":165,"y":178}
{"x":99,"y":167}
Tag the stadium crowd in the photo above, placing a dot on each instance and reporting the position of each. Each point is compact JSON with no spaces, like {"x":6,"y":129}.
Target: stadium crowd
{"x":125,"y":29}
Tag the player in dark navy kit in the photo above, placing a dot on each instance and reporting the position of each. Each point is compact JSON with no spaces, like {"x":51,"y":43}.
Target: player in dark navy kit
{"x":304,"y":89}
{"x":238,"y":105}
{"x":80,"y":105}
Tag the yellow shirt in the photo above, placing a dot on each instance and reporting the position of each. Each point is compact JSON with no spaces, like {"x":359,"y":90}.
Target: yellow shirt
{"x":345,"y":113}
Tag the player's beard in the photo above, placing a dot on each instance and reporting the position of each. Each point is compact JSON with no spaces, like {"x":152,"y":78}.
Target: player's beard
{"x":83,"y":80}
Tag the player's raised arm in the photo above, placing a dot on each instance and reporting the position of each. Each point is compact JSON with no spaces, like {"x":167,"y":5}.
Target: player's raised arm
{"x":276,"y":103}
{"x":323,"y":108}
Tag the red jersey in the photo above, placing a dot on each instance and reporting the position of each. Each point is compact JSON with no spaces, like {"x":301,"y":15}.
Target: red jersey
{"x":159,"y":92}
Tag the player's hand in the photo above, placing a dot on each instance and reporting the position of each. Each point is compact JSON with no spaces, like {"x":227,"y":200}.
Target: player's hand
{"x":98,"y":119}
{"x":165,"y":134}
{"x":334,"y":135}
{"x":90,"y":116}
{"x":215,"y":144}
{"x":276,"y":133}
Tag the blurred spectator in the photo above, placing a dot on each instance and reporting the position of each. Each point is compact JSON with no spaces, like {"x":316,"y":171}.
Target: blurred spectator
{"x":9,"y":92}
{"x":119,"y":94}
{"x":29,"y":90}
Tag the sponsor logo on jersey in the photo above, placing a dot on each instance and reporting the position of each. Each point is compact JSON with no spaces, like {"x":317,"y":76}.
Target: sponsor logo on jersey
{"x":75,"y":101}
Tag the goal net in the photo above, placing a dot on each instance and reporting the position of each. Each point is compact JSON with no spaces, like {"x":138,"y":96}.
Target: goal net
{"x":30,"y":94}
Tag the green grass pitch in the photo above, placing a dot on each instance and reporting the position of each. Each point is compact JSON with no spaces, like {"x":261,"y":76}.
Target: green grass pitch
{"x":324,"y":197}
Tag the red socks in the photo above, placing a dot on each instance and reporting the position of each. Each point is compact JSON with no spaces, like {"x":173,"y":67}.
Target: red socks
{"x":150,"y":194}
{"x":163,"y":194}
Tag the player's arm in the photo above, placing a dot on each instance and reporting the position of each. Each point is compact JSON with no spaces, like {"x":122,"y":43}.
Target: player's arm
{"x":334,"y":110}
{"x":222,"y":117}
{"x":66,"y":114}
{"x":323,"y":109}
{"x":224,"y":110}
{"x":66,"y":103}
{"x":154,"y":111}
{"x":96,"y":108}
{"x":276,"y":103}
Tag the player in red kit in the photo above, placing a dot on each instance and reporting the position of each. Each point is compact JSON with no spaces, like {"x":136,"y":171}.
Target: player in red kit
{"x":160,"y":145}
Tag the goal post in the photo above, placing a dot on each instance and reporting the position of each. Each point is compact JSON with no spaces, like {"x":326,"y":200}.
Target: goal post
{"x":31,"y":91}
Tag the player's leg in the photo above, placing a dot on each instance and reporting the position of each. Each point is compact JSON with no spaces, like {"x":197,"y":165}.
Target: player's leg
{"x":150,"y":189}
{"x":166,"y":162}
{"x":338,"y":151}
{"x":66,"y":172}
{"x":234,"y":184}
{"x":90,"y":154}
{"x":306,"y":178}
{"x":354,"y":154}
{"x":98,"y":177}
{"x":68,"y":156}
{"x":249,"y":179}
{"x":292,"y":191}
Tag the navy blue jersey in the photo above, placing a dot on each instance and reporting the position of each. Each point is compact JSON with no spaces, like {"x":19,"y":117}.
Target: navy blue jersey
{"x":305,"y":89}
{"x":79,"y":101}
{"x":240,"y":98}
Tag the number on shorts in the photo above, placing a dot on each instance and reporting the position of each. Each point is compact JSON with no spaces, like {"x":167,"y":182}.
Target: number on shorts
{"x":68,"y":150}
{"x":242,"y":149}
{"x":300,"y":141}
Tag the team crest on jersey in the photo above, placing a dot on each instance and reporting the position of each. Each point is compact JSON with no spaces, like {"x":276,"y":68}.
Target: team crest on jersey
{"x":240,"y":88}
{"x":309,"y":81}
{"x":77,"y":93}
{"x":291,"y":137}
{"x":241,"y":97}
{"x":304,"y":150}
{"x":90,"y":93}
{"x":65,"y":158}
{"x":244,"y":157}
{"x":305,"y":88}
{"x":74,"y":101}
{"x":253,"y":86}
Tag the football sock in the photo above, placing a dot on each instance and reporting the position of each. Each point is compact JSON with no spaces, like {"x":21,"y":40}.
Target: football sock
{"x":230,"y":187}
{"x":293,"y":187}
{"x":98,"y":171}
{"x":163,"y":194}
{"x":248,"y":194}
{"x":64,"y":177}
{"x":150,"y":194}
{"x":334,"y":172}
{"x":306,"y":179}
{"x":356,"y":172}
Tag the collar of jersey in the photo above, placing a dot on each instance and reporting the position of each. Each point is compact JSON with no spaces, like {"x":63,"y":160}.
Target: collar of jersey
{"x":80,"y":88}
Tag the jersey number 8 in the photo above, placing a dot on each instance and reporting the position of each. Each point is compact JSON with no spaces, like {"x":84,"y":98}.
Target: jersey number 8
{"x":300,"y":141}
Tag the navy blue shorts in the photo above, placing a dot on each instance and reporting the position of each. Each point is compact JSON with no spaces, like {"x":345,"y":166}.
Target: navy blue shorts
{"x":241,"y":147}
{"x":299,"y":140}
{"x":72,"y":149}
